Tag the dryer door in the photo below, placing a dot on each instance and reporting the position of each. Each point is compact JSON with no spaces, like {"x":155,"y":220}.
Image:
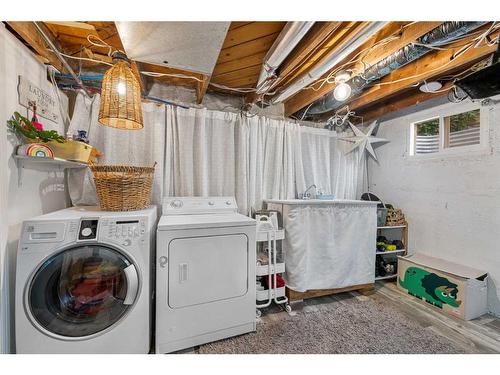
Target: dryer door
{"x":207,"y":269}
{"x":82,"y":291}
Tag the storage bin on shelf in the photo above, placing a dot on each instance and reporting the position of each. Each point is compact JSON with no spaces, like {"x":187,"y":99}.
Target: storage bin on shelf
{"x":69,"y":150}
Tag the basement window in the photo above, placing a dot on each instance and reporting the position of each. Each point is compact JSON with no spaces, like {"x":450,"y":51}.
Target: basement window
{"x":446,"y":133}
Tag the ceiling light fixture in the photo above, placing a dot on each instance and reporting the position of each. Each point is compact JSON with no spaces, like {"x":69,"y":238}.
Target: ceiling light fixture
{"x":430,"y":87}
{"x":120,"y":105}
{"x":342,"y":90}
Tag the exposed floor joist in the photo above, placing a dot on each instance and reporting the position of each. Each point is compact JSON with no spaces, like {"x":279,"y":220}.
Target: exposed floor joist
{"x":433,"y":64}
{"x":408,"y":35}
{"x":30,"y":34}
{"x":201,"y":89}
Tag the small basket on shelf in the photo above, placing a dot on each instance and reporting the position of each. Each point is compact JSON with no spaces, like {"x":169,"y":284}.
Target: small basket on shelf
{"x":123,"y":187}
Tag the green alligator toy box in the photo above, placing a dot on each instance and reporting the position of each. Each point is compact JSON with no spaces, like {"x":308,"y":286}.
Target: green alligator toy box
{"x":453,"y":288}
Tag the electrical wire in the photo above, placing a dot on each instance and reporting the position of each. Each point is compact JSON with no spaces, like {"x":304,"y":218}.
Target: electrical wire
{"x":103,"y":45}
{"x":84,"y":58}
{"x":174,"y":75}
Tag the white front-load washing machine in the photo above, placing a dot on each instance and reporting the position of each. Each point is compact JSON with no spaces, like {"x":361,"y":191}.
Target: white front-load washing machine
{"x":205,"y":272}
{"x":83,"y":282}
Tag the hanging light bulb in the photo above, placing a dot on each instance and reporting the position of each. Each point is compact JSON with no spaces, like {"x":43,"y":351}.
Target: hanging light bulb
{"x":120,"y":105}
{"x":121,"y":88}
{"x":342,"y":91}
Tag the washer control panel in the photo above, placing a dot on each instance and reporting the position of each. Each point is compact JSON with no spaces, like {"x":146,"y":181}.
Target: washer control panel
{"x":124,"y":232}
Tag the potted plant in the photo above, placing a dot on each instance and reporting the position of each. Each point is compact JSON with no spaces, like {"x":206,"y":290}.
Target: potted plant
{"x":32,"y":131}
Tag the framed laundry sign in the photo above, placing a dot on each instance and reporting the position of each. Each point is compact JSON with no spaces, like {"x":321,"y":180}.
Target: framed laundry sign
{"x":30,"y":94}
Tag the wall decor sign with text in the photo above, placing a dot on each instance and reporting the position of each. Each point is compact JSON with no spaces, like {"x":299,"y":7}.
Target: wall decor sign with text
{"x":46,"y":104}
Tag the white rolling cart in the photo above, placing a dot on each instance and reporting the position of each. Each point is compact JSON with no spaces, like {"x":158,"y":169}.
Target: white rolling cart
{"x":267,"y":231}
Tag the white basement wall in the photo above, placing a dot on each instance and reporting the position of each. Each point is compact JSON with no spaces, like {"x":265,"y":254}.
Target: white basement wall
{"x":36,"y":192}
{"x":452,"y":203}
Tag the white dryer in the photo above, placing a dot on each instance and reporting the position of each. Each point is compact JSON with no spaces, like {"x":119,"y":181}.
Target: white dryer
{"x":205,"y":272}
{"x":83,"y":282}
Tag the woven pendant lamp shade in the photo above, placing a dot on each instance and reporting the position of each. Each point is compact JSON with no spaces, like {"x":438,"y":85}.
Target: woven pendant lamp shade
{"x":120,"y":105}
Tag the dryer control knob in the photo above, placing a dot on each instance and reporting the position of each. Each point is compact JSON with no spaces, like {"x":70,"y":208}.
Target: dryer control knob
{"x":228,"y":203}
{"x":86,"y":232}
{"x":211,"y":203}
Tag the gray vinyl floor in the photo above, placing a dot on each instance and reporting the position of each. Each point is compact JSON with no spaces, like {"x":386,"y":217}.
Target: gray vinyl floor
{"x":480,"y":335}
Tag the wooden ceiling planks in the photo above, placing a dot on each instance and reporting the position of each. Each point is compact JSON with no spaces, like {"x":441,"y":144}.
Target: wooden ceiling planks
{"x":234,"y":65}
{"x":243,"y":51}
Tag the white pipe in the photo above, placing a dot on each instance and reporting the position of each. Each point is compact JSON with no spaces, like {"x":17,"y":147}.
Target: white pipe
{"x":290,"y":36}
{"x":349,"y":46}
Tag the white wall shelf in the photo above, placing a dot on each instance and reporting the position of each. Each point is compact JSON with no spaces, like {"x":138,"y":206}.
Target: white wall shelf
{"x":44,"y":164}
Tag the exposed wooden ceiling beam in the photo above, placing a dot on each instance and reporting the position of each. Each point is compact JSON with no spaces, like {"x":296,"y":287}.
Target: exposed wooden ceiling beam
{"x":30,"y":34}
{"x":201,"y":89}
{"x":395,"y":104}
{"x":74,"y":29}
{"x":97,"y":56}
{"x":315,"y":39}
{"x":320,"y":54}
{"x":433,"y":64}
{"x":408,"y":34}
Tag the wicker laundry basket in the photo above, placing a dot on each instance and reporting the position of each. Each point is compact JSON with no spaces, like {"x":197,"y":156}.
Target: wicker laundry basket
{"x":122,"y":187}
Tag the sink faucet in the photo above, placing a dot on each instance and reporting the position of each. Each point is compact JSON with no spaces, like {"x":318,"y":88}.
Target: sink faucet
{"x":306,"y":195}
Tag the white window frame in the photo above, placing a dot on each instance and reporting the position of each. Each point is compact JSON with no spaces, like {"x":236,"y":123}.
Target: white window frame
{"x":445,"y":111}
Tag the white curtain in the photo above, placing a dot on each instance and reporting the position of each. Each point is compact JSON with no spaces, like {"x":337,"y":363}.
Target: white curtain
{"x":347,"y":171}
{"x":271,"y":167}
{"x":201,"y":152}
{"x":129,"y":147}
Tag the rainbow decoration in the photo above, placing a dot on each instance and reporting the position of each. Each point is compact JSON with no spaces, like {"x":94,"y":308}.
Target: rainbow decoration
{"x":39,"y":150}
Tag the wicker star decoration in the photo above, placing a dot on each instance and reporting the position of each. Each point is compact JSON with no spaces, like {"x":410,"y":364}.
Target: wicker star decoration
{"x":363,"y":141}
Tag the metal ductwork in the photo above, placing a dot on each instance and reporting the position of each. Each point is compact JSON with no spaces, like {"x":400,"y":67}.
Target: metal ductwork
{"x":354,"y":41}
{"x":290,"y":36}
{"x":441,"y":35}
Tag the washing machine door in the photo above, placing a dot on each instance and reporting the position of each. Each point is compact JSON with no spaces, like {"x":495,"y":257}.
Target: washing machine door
{"x":82,"y":291}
